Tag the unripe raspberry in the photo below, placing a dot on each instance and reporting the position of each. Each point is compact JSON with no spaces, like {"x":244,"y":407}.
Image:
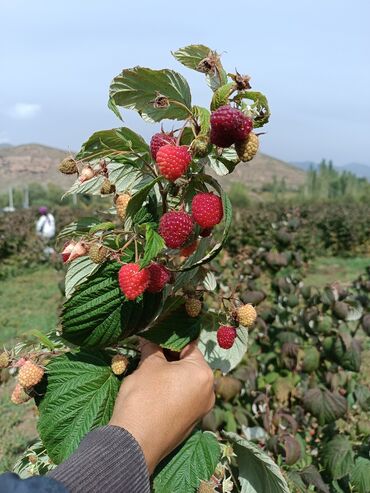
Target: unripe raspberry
{"x":159,"y":140}
{"x":68,"y":166}
{"x":173,"y":161}
{"x":247,"y":148}
{"x":229,"y":125}
{"x":86,"y":174}
{"x":19,"y":396}
{"x":175,"y":228}
{"x":119,"y":364}
{"x":30,"y":374}
{"x":206,"y":209}
{"x":206,"y":487}
{"x":193,"y":307}
{"x":200,"y":146}
{"x":98,"y":253}
{"x":121,"y":204}
{"x":107,"y":187}
{"x":4,"y":360}
{"x":226,"y":336}
{"x":189,"y":250}
{"x":246,"y":315}
{"x":133,"y":281}
{"x":159,"y":277}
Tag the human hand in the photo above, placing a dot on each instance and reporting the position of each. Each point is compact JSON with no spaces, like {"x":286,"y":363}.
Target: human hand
{"x":160,"y":403}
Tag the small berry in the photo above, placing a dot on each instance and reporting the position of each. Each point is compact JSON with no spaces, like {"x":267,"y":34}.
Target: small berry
{"x":73,"y":250}
{"x":98,"y":253}
{"x":226,"y":336}
{"x":30,"y":374}
{"x":200,"y":146}
{"x":119,"y":364}
{"x":206,"y":487}
{"x":107,"y":187}
{"x":19,"y":396}
{"x":175,"y":228}
{"x":193,"y":307}
{"x":159,"y":140}
{"x":173,"y":161}
{"x":159,"y":277}
{"x":86,"y":174}
{"x":133,"y":281}
{"x":68,"y":166}
{"x":205,"y":232}
{"x":189,"y":250}
{"x":206,"y":209}
{"x":247,"y":149}
{"x":246,"y":315}
{"x":121,"y":204}
{"x":4,"y":360}
{"x":229,"y":125}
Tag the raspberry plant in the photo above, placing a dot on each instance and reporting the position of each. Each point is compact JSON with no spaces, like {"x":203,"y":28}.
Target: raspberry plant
{"x":144,"y":269}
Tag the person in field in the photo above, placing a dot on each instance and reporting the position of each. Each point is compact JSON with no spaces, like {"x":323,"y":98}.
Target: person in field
{"x":45,"y":226}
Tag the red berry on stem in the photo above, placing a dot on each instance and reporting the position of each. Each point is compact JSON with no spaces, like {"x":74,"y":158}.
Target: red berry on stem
{"x":226,"y":336}
{"x":175,"y":228}
{"x":206,"y":209}
{"x":159,"y":140}
{"x":159,"y":277}
{"x":189,"y":250}
{"x":229,"y":125}
{"x":133,"y":281}
{"x":173,"y":161}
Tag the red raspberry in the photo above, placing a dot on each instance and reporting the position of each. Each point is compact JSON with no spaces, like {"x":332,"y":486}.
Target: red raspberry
{"x":173,"y":161}
{"x":159,"y":277}
{"x":226,"y":336}
{"x":133,"y":281}
{"x":175,"y":228}
{"x":159,"y":140}
{"x":229,"y":125}
{"x":206,"y":210}
{"x":189,"y":250}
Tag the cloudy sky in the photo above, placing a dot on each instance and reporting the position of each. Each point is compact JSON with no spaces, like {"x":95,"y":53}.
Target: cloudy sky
{"x":310,"y":57}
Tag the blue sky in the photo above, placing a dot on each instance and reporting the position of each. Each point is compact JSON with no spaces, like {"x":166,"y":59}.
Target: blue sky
{"x":309,"y":57}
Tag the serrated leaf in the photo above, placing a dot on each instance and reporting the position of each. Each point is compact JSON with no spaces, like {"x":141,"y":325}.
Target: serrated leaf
{"x":360,"y":477}
{"x":106,"y":226}
{"x":337,"y":456}
{"x":192,"y":55}
{"x":78,"y":228}
{"x":174,"y":330}
{"x":311,"y":476}
{"x":260,"y":106}
{"x":186,"y":276}
{"x":139,"y":197}
{"x":326,"y":406}
{"x":137,"y":88}
{"x":112,"y":106}
{"x":203,"y":118}
{"x":257,"y":471}
{"x":355,"y":310}
{"x":78,"y":271}
{"x":221,"y":96}
{"x":154,"y":244}
{"x":194,"y":461}
{"x":80,"y":395}
{"x":218,"y":358}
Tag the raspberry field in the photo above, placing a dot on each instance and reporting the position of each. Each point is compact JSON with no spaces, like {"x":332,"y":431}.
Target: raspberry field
{"x":277,"y":292}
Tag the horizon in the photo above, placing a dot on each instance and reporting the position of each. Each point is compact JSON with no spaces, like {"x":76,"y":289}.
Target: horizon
{"x":299,"y":58}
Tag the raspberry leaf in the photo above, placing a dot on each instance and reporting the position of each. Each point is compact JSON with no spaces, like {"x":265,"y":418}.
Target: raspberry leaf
{"x":154,"y":244}
{"x":191,"y":56}
{"x":137,"y":89}
{"x":260,"y":106}
{"x":81,"y":387}
{"x":139,"y":197}
{"x":360,"y":476}
{"x":78,"y":271}
{"x":326,"y":406}
{"x":221,"y":96}
{"x":203,"y":117}
{"x":193,"y":461}
{"x":337,"y":456}
{"x":82,"y":226}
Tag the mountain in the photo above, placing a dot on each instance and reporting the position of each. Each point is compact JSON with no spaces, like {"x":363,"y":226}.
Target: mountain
{"x":28,"y":163}
{"x":358,"y":169}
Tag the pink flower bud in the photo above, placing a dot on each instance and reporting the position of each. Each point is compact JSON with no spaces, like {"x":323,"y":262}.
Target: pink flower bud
{"x":86,"y":174}
{"x":79,"y":250}
{"x":67,"y":250}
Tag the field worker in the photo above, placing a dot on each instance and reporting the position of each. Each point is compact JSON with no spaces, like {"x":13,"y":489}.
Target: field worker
{"x":156,"y":409}
{"x":45,"y":226}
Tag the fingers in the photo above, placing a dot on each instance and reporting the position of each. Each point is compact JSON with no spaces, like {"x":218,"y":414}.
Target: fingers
{"x":191,"y":352}
{"x":149,"y":350}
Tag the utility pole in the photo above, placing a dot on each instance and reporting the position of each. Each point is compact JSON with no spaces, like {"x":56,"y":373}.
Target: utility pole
{"x":26,"y":198}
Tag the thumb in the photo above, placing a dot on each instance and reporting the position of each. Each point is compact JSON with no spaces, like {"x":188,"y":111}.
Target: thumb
{"x":149,"y":349}
{"x":192,"y":352}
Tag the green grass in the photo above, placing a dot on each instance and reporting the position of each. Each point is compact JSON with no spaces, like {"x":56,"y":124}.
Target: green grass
{"x":326,"y":270}
{"x":28,"y":301}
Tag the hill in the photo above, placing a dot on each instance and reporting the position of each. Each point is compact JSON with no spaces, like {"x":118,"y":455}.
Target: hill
{"x":29,"y":163}
{"x":358,"y":169}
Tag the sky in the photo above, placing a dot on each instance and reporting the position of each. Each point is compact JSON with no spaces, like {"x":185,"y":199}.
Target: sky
{"x":311,"y":59}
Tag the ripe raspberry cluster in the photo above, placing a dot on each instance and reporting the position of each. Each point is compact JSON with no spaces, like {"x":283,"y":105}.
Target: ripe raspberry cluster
{"x":246,"y":316}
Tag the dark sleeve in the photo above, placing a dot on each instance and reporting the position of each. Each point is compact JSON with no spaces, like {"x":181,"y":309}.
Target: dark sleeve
{"x":109,"y":459}
{"x":11,"y":483}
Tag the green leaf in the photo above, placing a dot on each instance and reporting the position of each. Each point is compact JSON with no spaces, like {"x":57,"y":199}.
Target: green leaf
{"x":97,"y":314}
{"x":192,"y":55}
{"x":311,"y":476}
{"x":112,"y":143}
{"x":260,"y":106}
{"x":139,"y":197}
{"x":137,"y":88}
{"x":360,"y":477}
{"x":257,"y":471}
{"x":194,"y":461}
{"x":326,"y":406}
{"x":203,"y":117}
{"x":78,"y":271}
{"x":218,"y":358}
{"x":80,"y":395}
{"x":106,"y":226}
{"x":337,"y":456}
{"x":221,"y":96}
{"x":174,"y":330}
{"x":79,"y":227}
{"x":154,"y":244}
{"x":112,"y":106}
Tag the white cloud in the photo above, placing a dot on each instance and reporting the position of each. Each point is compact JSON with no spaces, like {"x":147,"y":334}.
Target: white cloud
{"x":24,"y":111}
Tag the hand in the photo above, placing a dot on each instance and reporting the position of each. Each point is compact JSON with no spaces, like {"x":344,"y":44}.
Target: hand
{"x":160,"y":403}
